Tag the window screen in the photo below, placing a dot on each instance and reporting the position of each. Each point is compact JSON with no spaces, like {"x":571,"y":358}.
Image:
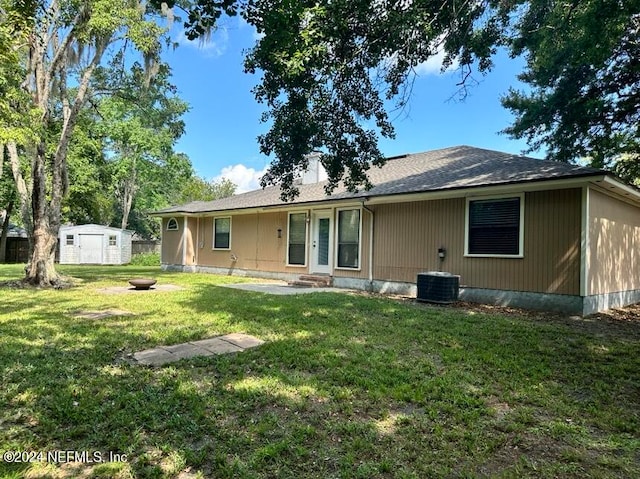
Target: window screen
{"x":222,"y":233}
{"x":494,"y":226}
{"x":348,"y":238}
{"x":297,"y":238}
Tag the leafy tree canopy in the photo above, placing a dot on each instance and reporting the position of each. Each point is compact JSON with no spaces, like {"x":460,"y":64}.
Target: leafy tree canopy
{"x":49,"y":52}
{"x":199,"y":189}
{"x":327,"y":67}
{"x":583,"y":68}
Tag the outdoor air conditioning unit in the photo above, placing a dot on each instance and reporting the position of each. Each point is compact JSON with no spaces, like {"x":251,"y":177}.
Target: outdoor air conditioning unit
{"x":438,"y":287}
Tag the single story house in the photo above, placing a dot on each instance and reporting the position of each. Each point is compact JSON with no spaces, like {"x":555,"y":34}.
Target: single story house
{"x":94,"y":244}
{"x":519,"y":231}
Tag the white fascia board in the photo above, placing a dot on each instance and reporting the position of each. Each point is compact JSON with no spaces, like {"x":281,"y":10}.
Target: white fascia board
{"x":611,"y":184}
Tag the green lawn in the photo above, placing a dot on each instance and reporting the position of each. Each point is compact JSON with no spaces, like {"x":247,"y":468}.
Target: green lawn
{"x":346,"y":386}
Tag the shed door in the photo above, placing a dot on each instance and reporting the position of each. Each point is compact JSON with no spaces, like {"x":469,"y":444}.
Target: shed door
{"x":91,"y":249}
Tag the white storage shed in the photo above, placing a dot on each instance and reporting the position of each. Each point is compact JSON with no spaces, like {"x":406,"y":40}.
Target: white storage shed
{"x":94,"y":244}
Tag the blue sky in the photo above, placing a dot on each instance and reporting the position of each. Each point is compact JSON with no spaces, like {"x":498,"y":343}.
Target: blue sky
{"x":224,"y":120}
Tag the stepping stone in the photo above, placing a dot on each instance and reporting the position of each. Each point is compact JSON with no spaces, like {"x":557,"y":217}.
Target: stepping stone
{"x":217,"y":346}
{"x":155,"y":357}
{"x":102,"y":314}
{"x":242,"y":340}
{"x":230,"y":343}
{"x":186,"y":350}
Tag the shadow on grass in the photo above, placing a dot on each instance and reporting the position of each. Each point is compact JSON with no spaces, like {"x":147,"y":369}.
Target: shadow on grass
{"x":345,"y":386}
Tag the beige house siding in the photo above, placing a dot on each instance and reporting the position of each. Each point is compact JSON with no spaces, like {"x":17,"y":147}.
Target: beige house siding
{"x":171,"y":252}
{"x":406,"y":241}
{"x":189,"y":241}
{"x":408,"y":235}
{"x":254,"y":243}
{"x":614,"y":245}
{"x":363,"y":271}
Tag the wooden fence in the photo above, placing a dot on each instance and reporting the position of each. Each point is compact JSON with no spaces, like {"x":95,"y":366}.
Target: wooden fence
{"x":145,"y":246}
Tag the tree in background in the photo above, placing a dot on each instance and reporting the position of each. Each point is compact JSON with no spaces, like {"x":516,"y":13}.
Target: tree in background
{"x":8,"y":199}
{"x":583,"y":71}
{"x":89,"y":198}
{"x":59,"y":44}
{"x":141,"y":120}
{"x":198,"y":189}
{"x":18,"y":115}
{"x":327,"y":67}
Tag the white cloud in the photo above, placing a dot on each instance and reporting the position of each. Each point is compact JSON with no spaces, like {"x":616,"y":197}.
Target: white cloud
{"x":433,"y":65}
{"x":246,"y":179}
{"x":212,"y":46}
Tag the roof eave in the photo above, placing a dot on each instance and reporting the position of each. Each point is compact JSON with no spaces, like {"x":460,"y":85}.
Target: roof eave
{"x":487,"y":190}
{"x":461,"y":191}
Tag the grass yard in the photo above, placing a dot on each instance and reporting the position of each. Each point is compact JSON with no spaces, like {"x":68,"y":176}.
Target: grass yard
{"x":346,"y":386}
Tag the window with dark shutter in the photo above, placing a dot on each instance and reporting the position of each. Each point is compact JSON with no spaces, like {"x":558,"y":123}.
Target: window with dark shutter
{"x":494,"y":227}
{"x":297,"y":238}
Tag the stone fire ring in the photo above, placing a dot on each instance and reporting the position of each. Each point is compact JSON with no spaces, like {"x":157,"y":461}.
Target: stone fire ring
{"x":142,"y":284}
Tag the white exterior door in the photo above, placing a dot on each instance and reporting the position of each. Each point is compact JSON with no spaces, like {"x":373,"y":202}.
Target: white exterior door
{"x":91,"y":249}
{"x":321,"y":242}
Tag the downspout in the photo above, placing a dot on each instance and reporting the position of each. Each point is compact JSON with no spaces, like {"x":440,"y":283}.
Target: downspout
{"x":370,"y":245}
{"x":585,"y":248}
{"x":197,"y":246}
{"x":184,"y":242}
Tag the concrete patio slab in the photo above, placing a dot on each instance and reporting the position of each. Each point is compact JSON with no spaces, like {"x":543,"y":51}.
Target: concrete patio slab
{"x":281,"y":288}
{"x":230,"y":343}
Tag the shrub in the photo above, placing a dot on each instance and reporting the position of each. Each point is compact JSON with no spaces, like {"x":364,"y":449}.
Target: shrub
{"x":146,"y":259}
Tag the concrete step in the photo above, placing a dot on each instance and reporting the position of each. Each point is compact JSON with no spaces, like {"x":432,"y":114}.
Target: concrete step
{"x":298,"y":283}
{"x":317,"y":278}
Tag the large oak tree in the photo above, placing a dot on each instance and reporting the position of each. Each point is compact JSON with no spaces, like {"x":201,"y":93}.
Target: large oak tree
{"x":328,"y":66}
{"x":58,"y":45}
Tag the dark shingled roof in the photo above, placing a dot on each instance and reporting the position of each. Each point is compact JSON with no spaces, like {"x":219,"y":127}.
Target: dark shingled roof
{"x":438,"y":170}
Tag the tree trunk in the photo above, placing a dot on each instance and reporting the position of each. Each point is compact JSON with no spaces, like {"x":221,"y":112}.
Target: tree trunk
{"x":129,"y":191}
{"x":41,"y":271}
{"x":5,"y":231}
{"x":23,"y":191}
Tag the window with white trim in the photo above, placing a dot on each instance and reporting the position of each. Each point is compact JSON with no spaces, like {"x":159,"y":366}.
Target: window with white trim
{"x":69,"y":240}
{"x":113,"y":240}
{"x":494,"y":226}
{"x":297,"y":239}
{"x":172,"y":224}
{"x":222,"y":233}
{"x":348,"y":239}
